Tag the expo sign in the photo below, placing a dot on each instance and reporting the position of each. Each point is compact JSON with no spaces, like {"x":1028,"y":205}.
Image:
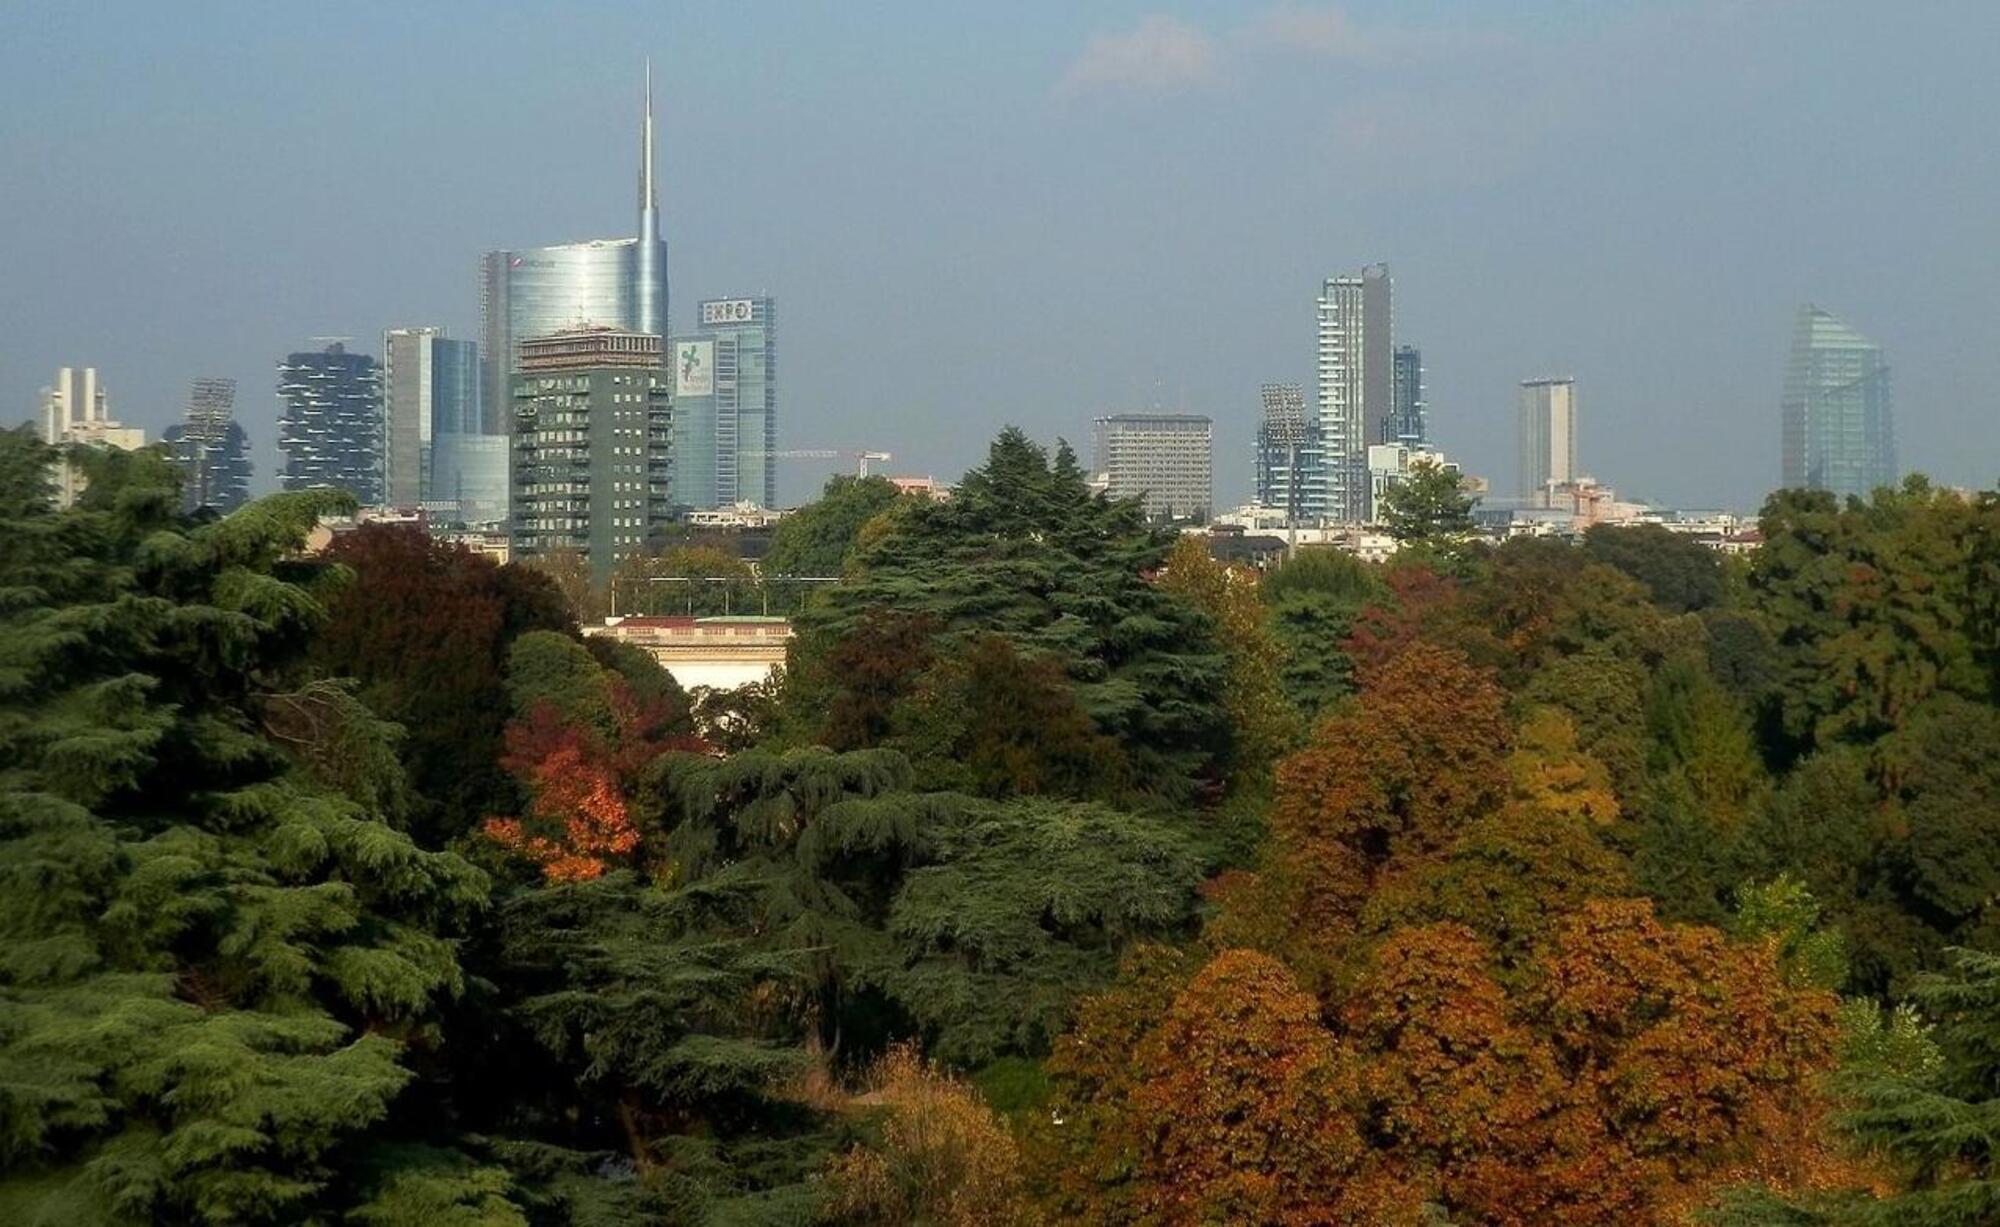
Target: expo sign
{"x":727,"y":311}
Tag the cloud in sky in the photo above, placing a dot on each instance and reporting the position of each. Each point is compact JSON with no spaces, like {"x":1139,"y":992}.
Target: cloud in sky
{"x":1161,"y":55}
{"x":1324,"y":31}
{"x":1164,"y":55}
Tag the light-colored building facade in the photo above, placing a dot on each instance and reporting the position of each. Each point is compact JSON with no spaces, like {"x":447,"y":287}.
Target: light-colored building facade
{"x":75,"y":411}
{"x":592,"y":445}
{"x":1166,"y":460}
{"x":719,"y":653}
{"x":1354,"y":401}
{"x":1545,"y":425}
{"x":1838,"y":415}
{"x":726,"y":406}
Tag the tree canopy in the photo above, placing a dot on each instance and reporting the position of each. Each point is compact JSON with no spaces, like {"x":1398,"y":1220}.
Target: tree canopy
{"x":1066,"y":874}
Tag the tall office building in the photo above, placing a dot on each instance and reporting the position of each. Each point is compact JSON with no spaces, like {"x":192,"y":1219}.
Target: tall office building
{"x":330,"y":424}
{"x":1546,"y":424}
{"x":611,"y":283}
{"x":212,"y":450}
{"x":726,"y":406}
{"x":430,"y":387}
{"x":74,"y":412}
{"x":1405,"y":425}
{"x":1166,"y":460}
{"x":1838,"y":416}
{"x":465,"y":480}
{"x":1355,"y":387}
{"x":592,"y":445}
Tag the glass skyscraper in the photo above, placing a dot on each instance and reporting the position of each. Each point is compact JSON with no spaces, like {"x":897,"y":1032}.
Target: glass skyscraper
{"x":1405,"y":424}
{"x":726,"y":406}
{"x":1838,"y":414}
{"x":611,"y":283}
{"x":430,"y":385}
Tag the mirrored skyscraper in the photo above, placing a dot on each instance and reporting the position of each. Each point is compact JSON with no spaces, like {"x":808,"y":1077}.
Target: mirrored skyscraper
{"x":1838,"y":415}
{"x":536,"y":291}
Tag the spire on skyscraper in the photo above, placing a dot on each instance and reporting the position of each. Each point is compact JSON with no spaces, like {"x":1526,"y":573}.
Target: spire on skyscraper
{"x":649,"y":257}
{"x":649,"y":199}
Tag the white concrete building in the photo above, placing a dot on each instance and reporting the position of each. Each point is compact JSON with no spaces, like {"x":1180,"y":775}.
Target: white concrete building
{"x":74,"y":412}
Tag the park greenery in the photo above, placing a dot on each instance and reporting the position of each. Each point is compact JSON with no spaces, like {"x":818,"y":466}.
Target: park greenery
{"x":1066,"y":874}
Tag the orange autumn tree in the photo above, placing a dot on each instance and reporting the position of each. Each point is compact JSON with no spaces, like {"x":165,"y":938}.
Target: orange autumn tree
{"x":582,"y":733}
{"x":1242,"y":1112}
{"x":1641,"y":1067}
{"x":1391,"y":780}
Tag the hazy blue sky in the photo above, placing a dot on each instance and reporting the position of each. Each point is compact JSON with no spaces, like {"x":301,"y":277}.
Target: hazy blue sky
{"x":1036,"y":212}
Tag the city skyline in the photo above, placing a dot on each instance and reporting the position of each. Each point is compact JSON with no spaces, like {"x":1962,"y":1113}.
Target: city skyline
{"x":997,"y":294}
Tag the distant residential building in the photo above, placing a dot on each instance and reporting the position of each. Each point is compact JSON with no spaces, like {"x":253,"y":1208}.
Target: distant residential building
{"x":75,"y":412}
{"x":592,"y":445}
{"x":1546,"y":431}
{"x":211,"y":449}
{"x":726,"y":406}
{"x":1166,"y":460}
{"x":1838,"y":415}
{"x":1588,"y":503}
{"x":1355,"y":388}
{"x":330,"y":422}
{"x":535,"y":291}
{"x":1405,"y":424}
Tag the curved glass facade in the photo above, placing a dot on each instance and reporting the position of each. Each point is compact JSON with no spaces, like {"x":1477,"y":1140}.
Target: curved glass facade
{"x":535,"y":291}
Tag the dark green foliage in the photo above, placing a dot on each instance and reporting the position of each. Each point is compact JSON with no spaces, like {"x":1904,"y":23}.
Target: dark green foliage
{"x":1680,"y":573}
{"x":425,"y":627}
{"x":992,"y":722}
{"x":544,"y":667}
{"x":816,"y":539}
{"x":1875,"y":607}
{"x":1023,"y":551}
{"x":218,"y":963}
{"x":978,"y":921}
{"x":1742,"y":655}
{"x":800,"y":909}
{"x":648,"y":681}
{"x":1314,"y":598}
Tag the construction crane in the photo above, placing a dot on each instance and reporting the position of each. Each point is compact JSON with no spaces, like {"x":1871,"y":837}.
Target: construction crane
{"x":862,"y":459}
